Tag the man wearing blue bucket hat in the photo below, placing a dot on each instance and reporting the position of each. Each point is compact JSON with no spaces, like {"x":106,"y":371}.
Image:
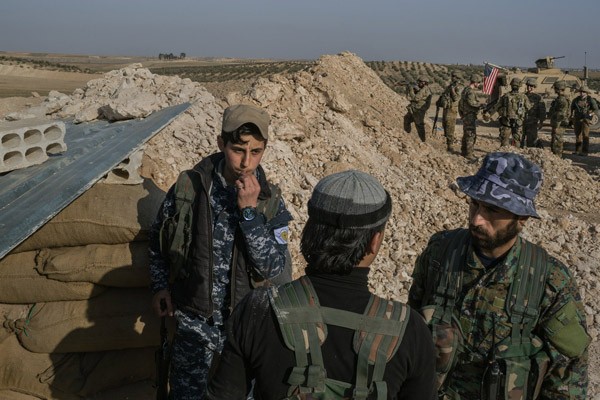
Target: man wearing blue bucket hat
{"x":506,"y":316}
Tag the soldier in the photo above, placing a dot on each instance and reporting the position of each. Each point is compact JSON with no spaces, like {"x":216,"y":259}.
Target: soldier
{"x":583,"y":108}
{"x":506,"y":316}
{"x":420,"y":100}
{"x":468,"y":107}
{"x":448,"y":101}
{"x":324,"y":335}
{"x":512,"y":108}
{"x":535,"y":116}
{"x":559,"y":116}
{"x":221,"y":228}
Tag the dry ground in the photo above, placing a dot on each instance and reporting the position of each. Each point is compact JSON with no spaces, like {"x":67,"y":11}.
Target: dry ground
{"x":18,"y":83}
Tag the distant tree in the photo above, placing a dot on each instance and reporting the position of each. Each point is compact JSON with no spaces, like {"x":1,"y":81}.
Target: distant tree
{"x":182,"y":55}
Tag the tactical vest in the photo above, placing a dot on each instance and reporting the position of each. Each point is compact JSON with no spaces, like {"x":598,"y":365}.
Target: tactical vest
{"x":176,"y":239}
{"x":513,"y":106}
{"x":303,"y":323}
{"x":521,"y":355}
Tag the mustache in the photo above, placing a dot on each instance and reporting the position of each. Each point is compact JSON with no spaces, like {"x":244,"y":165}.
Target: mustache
{"x":477,"y":229}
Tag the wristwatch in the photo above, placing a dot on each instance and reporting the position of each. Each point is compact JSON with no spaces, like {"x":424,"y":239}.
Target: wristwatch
{"x":249,"y":213}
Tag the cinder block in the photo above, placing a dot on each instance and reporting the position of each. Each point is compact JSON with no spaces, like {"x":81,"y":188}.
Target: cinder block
{"x":29,"y":142}
{"x":127,"y":172}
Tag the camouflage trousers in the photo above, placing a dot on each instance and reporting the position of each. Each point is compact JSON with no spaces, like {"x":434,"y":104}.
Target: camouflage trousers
{"x":511,"y":135}
{"x":582,"y":136}
{"x":530,"y":130}
{"x":469,"y":135}
{"x":419,"y":120}
{"x":556,"y":142}
{"x":194,"y":346}
{"x":449,"y":125}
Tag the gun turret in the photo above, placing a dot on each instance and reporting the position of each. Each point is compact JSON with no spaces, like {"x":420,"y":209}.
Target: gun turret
{"x":546,"y":62}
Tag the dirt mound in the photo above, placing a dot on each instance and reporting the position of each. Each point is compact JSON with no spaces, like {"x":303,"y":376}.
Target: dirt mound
{"x":339,"y":115}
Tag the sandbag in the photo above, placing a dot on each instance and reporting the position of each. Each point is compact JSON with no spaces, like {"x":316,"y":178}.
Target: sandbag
{"x":11,"y":312}
{"x":20,"y":283}
{"x":116,"y":265}
{"x":73,"y":375}
{"x":12,"y":395}
{"x":106,"y":213}
{"x":116,"y":319}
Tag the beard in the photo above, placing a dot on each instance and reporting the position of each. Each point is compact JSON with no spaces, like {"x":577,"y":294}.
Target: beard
{"x":485,"y":241}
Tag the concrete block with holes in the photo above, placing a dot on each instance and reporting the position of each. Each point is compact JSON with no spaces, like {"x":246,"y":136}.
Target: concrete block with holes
{"x":127,"y":172}
{"x":29,"y":142}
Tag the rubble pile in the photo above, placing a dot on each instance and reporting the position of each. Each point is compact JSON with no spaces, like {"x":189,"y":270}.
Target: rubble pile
{"x":338,"y":115}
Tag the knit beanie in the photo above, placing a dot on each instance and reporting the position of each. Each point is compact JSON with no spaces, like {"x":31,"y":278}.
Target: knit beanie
{"x":350,"y":199}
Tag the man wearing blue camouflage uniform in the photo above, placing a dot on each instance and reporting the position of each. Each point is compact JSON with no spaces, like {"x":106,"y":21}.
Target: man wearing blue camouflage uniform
{"x":507,"y":317}
{"x":233,"y":235}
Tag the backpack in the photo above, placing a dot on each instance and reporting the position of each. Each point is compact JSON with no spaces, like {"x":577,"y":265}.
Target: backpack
{"x":303,"y":324}
{"x":520,"y":353}
{"x":176,"y":232}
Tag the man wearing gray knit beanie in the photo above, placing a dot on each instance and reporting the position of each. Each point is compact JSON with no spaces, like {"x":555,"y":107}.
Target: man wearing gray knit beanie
{"x":325,"y":335}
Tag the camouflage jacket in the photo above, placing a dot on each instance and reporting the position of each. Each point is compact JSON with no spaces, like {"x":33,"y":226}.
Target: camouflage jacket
{"x":559,"y":109}
{"x":451,"y":95}
{"x":484,"y":320}
{"x":261,"y":242}
{"x":468,"y":103}
{"x":582,"y":108}
{"x":513,"y":106}
{"x":420,"y":100}
{"x":537,"y":112}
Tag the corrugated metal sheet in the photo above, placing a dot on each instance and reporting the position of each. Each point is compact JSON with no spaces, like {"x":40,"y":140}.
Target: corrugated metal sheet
{"x":31,"y":196}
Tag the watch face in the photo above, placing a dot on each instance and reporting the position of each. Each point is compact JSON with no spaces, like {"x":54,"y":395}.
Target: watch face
{"x":249,"y":213}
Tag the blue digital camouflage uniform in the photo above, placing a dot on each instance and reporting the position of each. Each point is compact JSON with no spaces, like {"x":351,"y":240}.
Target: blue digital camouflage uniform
{"x":197,"y":339}
{"x":558,"y":344}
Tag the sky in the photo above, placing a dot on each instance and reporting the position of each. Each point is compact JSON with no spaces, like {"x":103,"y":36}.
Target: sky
{"x":507,"y":32}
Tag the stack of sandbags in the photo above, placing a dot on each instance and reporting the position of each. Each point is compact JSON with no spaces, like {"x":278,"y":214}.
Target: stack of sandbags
{"x":74,"y":299}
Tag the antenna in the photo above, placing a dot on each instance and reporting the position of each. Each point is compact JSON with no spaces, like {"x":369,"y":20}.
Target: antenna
{"x":585,"y":70}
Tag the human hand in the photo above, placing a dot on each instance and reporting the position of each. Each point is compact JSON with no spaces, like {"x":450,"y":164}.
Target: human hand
{"x":248,"y":189}
{"x":161,"y":303}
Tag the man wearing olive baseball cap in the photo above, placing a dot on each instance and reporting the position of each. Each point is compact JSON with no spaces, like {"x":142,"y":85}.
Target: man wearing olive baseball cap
{"x":221,"y":230}
{"x":506,"y":316}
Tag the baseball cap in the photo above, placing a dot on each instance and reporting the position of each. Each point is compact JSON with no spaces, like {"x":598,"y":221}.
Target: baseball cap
{"x":240,"y":114}
{"x":506,"y":180}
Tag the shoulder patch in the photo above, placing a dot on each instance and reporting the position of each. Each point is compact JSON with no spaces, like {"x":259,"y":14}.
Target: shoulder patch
{"x":281,"y":234}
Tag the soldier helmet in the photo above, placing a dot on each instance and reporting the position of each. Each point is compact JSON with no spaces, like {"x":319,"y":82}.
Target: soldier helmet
{"x":585,"y":89}
{"x":560,"y":85}
{"x":456,"y":74}
{"x":531,"y":82}
{"x":423,"y":78}
{"x":506,"y":180}
{"x":475,"y":78}
{"x":515,"y":82}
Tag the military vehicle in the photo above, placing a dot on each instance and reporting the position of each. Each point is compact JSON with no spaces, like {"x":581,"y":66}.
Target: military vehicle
{"x":545,"y":74}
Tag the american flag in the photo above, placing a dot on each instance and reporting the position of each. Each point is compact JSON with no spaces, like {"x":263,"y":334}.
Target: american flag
{"x":490,"y":73}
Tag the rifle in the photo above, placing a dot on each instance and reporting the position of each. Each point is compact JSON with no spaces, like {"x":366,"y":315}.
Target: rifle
{"x":162,"y":358}
{"x":437,"y":113}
